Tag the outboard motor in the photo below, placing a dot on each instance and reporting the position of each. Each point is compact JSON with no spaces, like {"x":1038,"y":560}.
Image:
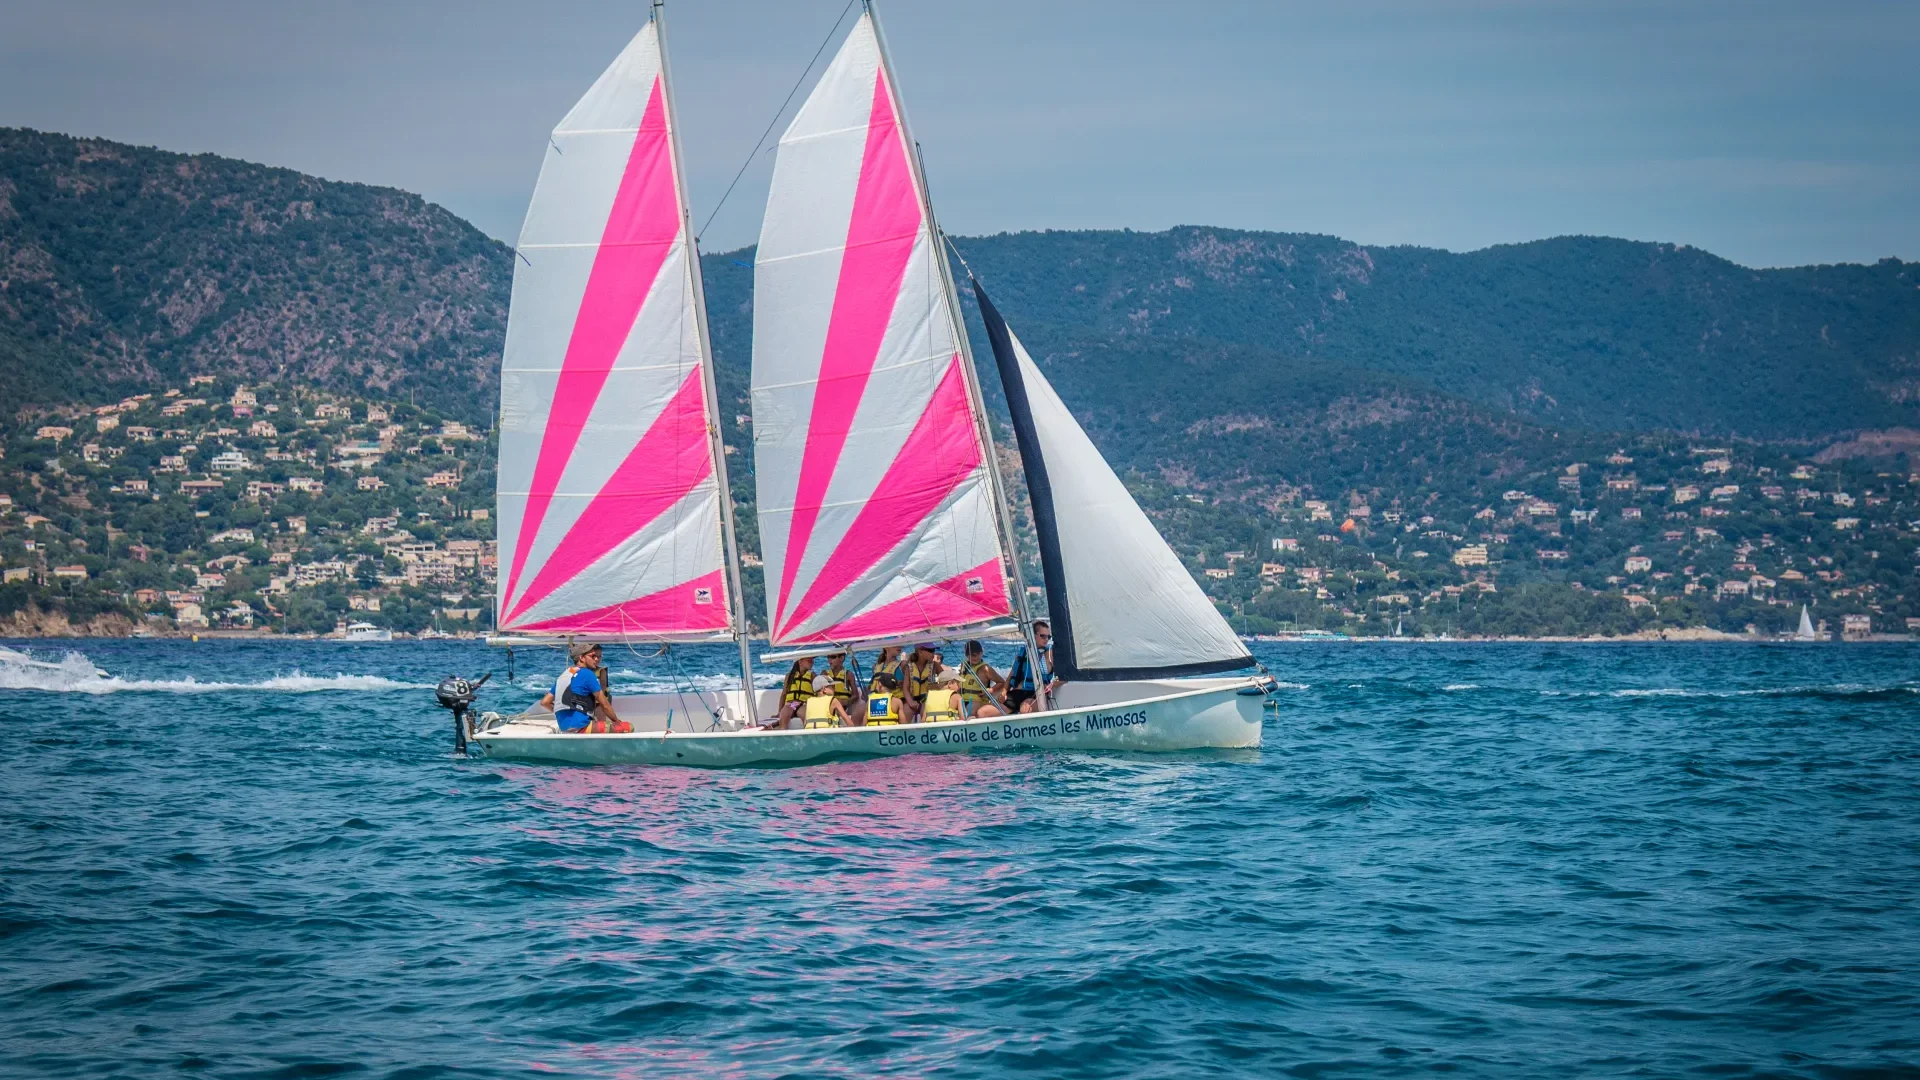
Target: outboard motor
{"x":457,"y":694}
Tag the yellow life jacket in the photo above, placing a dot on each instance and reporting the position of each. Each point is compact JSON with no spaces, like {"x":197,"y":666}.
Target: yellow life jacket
{"x":799,"y":687}
{"x":820,"y":712}
{"x":842,"y":683}
{"x":940,"y":706}
{"x":973,"y":687}
{"x":880,"y":709}
{"x":887,"y":667}
{"x":920,"y":681}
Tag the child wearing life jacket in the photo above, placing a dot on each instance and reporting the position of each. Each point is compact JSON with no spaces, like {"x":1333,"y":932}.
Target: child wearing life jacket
{"x":885,"y":705}
{"x":823,"y":709}
{"x":977,"y":683}
{"x":889,"y":662}
{"x":842,"y":684}
{"x":794,"y":692}
{"x":917,"y":678}
{"x":943,"y":701}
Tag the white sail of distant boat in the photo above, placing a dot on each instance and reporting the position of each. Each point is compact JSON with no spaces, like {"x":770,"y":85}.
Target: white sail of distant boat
{"x":1805,"y":633}
{"x":877,"y":516}
{"x":1122,"y":604}
{"x":614,"y":519}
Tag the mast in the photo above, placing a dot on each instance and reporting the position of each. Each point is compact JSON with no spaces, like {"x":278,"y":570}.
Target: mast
{"x":716,"y":444}
{"x":1003,"y":514}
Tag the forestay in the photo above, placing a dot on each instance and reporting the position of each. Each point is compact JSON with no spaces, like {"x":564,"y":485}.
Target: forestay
{"x":1122,"y":605}
{"x":609,"y":507}
{"x":876,"y":514}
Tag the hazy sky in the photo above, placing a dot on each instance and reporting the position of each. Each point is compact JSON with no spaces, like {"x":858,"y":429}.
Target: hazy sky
{"x":1771,"y":133}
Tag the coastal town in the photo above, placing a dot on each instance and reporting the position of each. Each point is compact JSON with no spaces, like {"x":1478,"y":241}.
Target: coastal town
{"x":222,"y":507}
{"x":1663,"y":535}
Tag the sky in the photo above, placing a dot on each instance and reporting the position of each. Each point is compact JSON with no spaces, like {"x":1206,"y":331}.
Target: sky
{"x":1770,"y":133}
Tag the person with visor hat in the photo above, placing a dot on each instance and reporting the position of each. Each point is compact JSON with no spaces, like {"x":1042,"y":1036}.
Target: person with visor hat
{"x":577,"y":695}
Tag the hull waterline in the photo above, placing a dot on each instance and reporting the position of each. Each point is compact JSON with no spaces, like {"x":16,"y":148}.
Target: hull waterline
{"x":1224,"y":716}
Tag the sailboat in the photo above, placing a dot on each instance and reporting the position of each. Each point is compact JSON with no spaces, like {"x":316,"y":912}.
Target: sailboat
{"x":883,"y":517}
{"x":1805,"y":633}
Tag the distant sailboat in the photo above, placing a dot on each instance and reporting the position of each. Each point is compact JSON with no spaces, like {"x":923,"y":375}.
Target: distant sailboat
{"x":1805,"y":633}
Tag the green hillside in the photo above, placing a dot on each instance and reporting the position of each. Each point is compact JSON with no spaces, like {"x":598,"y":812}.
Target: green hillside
{"x":125,"y":268}
{"x":1579,"y":331}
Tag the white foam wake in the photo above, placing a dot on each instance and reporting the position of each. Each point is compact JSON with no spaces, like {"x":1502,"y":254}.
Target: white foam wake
{"x":1826,"y":690}
{"x":74,"y":673}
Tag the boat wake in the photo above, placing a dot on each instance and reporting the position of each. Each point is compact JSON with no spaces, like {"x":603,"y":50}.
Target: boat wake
{"x":1834,"y":692}
{"x":74,"y":673}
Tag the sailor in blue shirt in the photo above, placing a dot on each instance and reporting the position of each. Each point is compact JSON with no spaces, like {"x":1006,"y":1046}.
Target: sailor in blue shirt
{"x":1020,"y":692}
{"x":577,"y":693}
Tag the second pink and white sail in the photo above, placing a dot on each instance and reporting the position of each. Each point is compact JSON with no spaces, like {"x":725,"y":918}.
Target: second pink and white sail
{"x":875,"y":504}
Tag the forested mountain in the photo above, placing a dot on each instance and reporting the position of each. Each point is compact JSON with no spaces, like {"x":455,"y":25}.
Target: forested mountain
{"x":1208,"y":351}
{"x":123,"y":268}
{"x":1583,"y":331}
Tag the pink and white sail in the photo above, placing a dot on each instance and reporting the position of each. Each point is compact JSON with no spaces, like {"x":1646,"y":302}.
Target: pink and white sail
{"x":875,"y":503}
{"x":609,"y":507}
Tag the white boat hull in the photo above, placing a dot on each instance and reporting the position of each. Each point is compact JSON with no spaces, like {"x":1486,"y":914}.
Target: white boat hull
{"x":1183,"y":715}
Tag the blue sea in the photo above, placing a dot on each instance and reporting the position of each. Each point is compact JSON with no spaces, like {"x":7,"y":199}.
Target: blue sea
{"x":260,"y":859}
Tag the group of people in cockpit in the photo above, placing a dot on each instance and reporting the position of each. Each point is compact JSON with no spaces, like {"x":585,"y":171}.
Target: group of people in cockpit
{"x":913,"y":689}
{"x":917,"y":688}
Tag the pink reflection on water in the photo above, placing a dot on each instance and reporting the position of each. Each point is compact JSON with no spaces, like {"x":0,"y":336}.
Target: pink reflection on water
{"x":910,"y":797}
{"x":839,"y":851}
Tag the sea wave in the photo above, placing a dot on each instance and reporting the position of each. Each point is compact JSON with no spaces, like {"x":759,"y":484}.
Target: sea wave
{"x":75,"y":673}
{"x":1572,"y":885}
{"x":1831,"y":692}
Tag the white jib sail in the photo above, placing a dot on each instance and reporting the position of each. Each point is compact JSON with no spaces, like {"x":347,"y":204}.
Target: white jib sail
{"x":1123,"y":605}
{"x":609,"y":511}
{"x":876,"y":514}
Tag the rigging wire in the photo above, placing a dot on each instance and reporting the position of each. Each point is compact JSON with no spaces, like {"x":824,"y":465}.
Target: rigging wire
{"x":948,"y":240}
{"x":755,"y":152}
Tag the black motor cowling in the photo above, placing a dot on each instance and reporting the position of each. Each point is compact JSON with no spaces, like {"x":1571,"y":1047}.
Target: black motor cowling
{"x":455,"y":693}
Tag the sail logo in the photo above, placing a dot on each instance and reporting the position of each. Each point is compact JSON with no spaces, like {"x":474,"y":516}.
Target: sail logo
{"x":703,"y":596}
{"x":976,"y":584}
